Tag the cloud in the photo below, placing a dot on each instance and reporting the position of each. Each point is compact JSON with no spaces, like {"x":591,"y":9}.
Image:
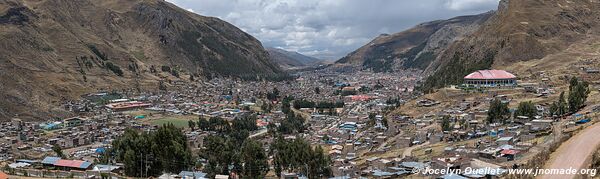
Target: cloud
{"x":462,"y":5}
{"x":329,"y":28}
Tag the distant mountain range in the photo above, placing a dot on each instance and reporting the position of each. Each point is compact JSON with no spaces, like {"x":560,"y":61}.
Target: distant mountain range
{"x":291,"y":60}
{"x":551,"y":35}
{"x":53,"y":50}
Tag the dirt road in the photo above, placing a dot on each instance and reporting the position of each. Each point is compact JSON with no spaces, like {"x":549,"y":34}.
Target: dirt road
{"x":575,"y":152}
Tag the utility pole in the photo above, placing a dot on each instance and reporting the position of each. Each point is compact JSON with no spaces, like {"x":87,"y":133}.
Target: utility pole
{"x":141,"y":164}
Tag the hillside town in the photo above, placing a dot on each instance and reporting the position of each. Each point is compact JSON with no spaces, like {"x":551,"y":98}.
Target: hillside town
{"x":299,"y":89}
{"x":369,"y":124}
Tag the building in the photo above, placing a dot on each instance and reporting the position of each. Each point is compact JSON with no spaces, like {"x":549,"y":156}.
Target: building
{"x":130,"y":105}
{"x":192,"y":175}
{"x":66,"y":164}
{"x":490,"y":78}
{"x":73,"y":122}
{"x":3,"y":175}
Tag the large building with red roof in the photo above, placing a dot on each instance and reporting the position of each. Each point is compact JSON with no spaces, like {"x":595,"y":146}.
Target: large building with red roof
{"x":67,"y":164}
{"x":490,"y":78}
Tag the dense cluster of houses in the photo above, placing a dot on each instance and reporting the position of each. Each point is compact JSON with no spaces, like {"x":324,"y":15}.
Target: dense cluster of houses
{"x":358,"y":136}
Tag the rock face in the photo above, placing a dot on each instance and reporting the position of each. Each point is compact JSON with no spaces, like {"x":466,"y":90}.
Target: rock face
{"x":521,"y":30}
{"x":291,"y":60}
{"x":52,"y":50}
{"x":414,"y":48}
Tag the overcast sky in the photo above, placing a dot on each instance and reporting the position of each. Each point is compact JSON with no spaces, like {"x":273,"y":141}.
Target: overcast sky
{"x":329,"y":29}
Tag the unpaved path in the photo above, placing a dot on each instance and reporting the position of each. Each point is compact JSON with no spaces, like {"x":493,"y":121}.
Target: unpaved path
{"x":575,"y":152}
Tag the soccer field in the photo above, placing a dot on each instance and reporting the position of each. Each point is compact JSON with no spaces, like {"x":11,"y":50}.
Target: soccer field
{"x":178,"y":121}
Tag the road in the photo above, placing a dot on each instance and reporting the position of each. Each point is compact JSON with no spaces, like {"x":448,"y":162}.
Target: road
{"x":575,"y":152}
{"x":408,"y":151}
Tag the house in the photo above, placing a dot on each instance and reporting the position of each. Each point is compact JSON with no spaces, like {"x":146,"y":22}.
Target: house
{"x":541,"y":124}
{"x":510,"y":154}
{"x":403,"y":142}
{"x":73,"y":122}
{"x":427,"y":103}
{"x":3,"y":175}
{"x":349,"y":126}
{"x":192,"y":175}
{"x":286,"y":175}
{"x":129,"y":105}
{"x":489,"y":153}
{"x":505,"y":141}
{"x":106,"y":168}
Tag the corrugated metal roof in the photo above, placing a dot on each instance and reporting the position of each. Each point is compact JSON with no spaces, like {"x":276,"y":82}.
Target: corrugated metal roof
{"x":490,"y":74}
{"x":50,"y":160}
{"x":73,"y":164}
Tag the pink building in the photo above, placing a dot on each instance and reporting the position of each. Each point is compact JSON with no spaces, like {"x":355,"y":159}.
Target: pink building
{"x":490,"y":78}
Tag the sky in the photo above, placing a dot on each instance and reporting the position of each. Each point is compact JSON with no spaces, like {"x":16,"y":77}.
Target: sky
{"x":329,"y":29}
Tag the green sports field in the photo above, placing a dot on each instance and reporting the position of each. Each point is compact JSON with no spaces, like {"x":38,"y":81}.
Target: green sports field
{"x":178,"y":121}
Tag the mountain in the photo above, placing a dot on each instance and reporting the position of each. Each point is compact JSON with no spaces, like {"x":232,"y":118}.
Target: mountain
{"x":525,"y":36}
{"x":55,"y":50}
{"x":287,"y":59}
{"x":415,"y":47}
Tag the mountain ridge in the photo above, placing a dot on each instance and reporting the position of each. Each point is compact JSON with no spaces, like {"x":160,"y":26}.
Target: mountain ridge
{"x":520,"y":31}
{"x":55,"y":50}
{"x":289,"y":60}
{"x":414,"y":47}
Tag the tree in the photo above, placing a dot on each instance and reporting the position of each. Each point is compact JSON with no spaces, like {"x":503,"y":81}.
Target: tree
{"x":58,"y":151}
{"x":292,"y":124}
{"x":318,"y":166}
{"x":254,"y":159}
{"x":578,"y":93}
{"x":273,"y":95}
{"x":298,"y":156}
{"x":114,"y":68}
{"x":372,"y":120}
{"x":202,"y":124}
{"x":446,"y":123}
{"x":325,"y":138}
{"x":384,"y":122}
{"x":219,"y":152}
{"x":175,"y":72}
{"x":266,"y":107}
{"x":559,"y":108}
{"x":191,"y":124}
{"x":526,"y":108}
{"x":498,"y":111}
{"x":151,"y":154}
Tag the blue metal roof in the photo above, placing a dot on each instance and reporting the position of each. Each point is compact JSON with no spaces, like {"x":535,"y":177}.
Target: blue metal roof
{"x":85,"y":165}
{"x":380,"y":173}
{"x":417,"y":165}
{"x":453,"y":176}
{"x":50,"y":160}
{"x":100,"y":150}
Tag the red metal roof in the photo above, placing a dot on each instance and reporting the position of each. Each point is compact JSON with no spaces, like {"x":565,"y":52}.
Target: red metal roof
{"x":3,"y":175}
{"x":490,"y":74}
{"x":509,"y":152}
{"x":69,"y":163}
